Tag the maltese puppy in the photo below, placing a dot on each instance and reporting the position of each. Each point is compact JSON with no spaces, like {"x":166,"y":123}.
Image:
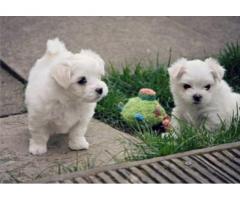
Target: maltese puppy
{"x":200,"y":94}
{"x":61,"y":95}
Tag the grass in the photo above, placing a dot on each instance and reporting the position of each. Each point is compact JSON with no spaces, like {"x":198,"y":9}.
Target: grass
{"x":126,"y":84}
{"x":62,"y":168}
{"x":229,"y":57}
{"x":152,"y":145}
{"x":86,"y":164}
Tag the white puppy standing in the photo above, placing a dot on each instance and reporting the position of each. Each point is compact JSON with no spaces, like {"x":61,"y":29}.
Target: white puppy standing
{"x":61,"y":95}
{"x":201,"y":96}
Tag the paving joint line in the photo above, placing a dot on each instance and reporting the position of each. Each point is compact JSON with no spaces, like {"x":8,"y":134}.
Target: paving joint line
{"x":13,"y":114}
{"x":14,"y":74}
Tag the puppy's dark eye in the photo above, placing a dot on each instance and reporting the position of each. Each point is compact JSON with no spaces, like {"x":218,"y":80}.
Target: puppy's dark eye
{"x":82,"y":80}
{"x":186,"y":86}
{"x":207,"y":87}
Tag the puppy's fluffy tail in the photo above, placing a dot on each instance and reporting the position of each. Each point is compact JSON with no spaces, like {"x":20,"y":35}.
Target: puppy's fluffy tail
{"x":54,"y":47}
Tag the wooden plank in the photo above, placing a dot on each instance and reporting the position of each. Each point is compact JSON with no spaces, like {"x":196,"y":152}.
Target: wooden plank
{"x":201,"y":169}
{"x":231,"y":156}
{"x":79,"y":180}
{"x":153,"y":174}
{"x":179,"y":173}
{"x":143,"y":177}
{"x":106,"y":178}
{"x":236,"y":152}
{"x":227,"y":161}
{"x":165,"y":173}
{"x":222,"y":167}
{"x":213,"y":169}
{"x":190,"y":171}
{"x":118,"y":178}
{"x":132,"y":178}
{"x":93,"y":179}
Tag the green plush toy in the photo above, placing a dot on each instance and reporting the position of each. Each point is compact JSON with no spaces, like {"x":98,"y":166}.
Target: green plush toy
{"x":146,"y":109}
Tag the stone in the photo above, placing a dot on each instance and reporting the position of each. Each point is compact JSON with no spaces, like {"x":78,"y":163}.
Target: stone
{"x":12,"y":97}
{"x":18,"y":165}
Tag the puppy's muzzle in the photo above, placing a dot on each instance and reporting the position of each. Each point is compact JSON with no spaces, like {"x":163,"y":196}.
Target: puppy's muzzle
{"x":197,"y":98}
{"x":101,"y":91}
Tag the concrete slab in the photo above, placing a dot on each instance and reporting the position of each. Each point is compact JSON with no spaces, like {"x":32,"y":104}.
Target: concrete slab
{"x":17,"y":165}
{"x":7,"y":178}
{"x":11,"y":94}
{"x":116,"y":39}
{"x":222,"y":29}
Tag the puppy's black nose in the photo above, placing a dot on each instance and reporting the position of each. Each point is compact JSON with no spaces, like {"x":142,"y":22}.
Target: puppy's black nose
{"x":99,"y":90}
{"x":197,"y":98}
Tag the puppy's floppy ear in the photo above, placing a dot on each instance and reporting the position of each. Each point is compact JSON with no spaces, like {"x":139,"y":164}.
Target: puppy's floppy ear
{"x":216,"y":69}
{"x":96,"y":57}
{"x":177,"y":69}
{"x":62,"y":75}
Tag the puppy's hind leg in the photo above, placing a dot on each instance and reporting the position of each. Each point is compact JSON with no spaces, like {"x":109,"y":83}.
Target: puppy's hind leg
{"x":77,"y":138}
{"x":38,"y":140}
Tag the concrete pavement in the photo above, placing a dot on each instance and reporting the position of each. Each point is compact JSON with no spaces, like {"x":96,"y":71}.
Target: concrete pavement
{"x":12,"y":92}
{"x":116,"y":39}
{"x":17,"y":165}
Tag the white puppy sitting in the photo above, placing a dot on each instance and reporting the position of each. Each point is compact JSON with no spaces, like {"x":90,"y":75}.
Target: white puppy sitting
{"x":61,"y":95}
{"x":201,"y":96}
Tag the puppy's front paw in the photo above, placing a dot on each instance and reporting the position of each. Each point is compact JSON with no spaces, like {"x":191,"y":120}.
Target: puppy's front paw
{"x":37,"y":149}
{"x":78,"y":144}
{"x":166,"y":135}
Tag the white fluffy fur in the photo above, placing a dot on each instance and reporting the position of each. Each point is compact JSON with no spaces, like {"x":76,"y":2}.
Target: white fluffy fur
{"x":218,"y":103}
{"x":56,"y":102}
